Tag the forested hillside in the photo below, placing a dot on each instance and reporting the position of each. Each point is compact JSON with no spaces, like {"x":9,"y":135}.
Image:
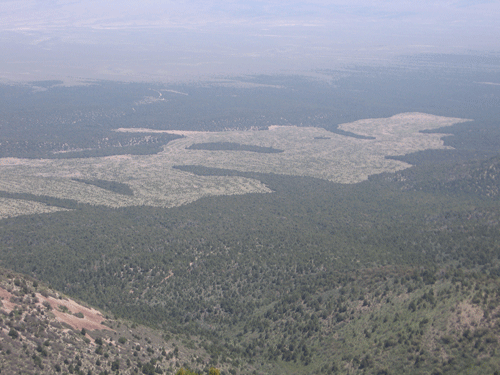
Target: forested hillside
{"x":43,"y":331}
{"x":313,"y":266}
{"x":398,"y":274}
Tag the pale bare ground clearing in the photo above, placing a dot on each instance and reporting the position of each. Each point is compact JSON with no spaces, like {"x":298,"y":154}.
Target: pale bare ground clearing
{"x":149,"y":100}
{"x":5,"y":297}
{"x":175,"y":92}
{"x":15,"y":207}
{"x":489,"y":83}
{"x":153,"y":184}
{"x":334,"y":157}
{"x":308,"y":151}
{"x":92,"y":319}
{"x":400,"y":125}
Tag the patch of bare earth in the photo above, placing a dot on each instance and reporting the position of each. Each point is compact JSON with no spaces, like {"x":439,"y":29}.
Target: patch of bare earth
{"x":468,"y":316}
{"x":91,"y":320}
{"x":308,"y":151}
{"x":6,"y":304}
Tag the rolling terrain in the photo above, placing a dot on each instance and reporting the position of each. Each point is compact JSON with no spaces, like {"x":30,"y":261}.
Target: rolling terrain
{"x":290,"y":227}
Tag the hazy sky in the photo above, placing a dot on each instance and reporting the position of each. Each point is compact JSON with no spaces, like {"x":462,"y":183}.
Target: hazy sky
{"x":152,"y":39}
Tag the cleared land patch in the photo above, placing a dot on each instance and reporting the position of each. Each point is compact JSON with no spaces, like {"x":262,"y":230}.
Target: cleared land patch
{"x":307,"y":151}
{"x":15,"y":207}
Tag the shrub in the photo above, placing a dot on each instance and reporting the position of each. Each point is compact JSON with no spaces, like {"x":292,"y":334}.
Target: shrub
{"x":13,"y":333}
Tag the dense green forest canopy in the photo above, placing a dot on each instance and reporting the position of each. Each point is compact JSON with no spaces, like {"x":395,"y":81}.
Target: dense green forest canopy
{"x":395,"y":274}
{"x":229,"y":146}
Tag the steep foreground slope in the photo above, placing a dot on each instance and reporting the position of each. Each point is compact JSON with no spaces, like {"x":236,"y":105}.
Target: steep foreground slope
{"x":45,"y":332}
{"x":384,"y":321}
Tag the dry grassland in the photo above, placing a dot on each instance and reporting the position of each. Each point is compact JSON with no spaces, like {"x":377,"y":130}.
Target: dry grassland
{"x":313,"y":152}
{"x":15,"y":207}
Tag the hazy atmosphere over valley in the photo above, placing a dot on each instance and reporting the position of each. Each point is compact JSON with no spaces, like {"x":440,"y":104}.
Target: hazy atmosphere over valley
{"x":249,"y":187}
{"x":171,"y":40}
